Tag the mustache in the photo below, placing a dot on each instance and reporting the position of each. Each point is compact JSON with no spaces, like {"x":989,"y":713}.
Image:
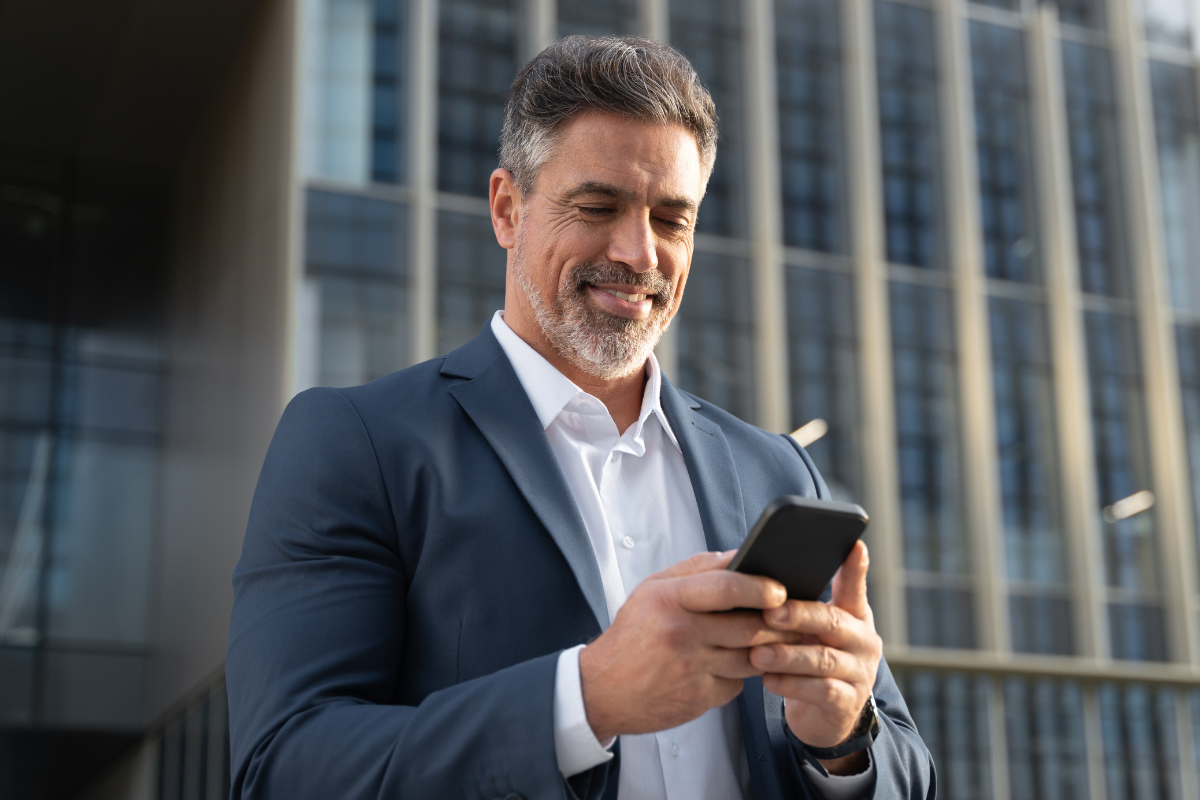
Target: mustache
{"x":652,"y":283}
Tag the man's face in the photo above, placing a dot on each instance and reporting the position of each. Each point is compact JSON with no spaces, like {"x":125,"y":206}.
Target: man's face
{"x":602,"y":247}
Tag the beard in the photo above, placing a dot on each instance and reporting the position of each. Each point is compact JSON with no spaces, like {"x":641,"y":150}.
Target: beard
{"x":594,"y":341}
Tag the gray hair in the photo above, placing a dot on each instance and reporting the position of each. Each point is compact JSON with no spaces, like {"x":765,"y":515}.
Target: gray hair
{"x":623,"y":75}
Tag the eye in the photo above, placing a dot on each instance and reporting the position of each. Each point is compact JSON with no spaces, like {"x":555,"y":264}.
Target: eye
{"x":673,"y":224}
{"x":597,"y":212}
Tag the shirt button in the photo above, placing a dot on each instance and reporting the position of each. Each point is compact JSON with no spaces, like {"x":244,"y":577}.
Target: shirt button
{"x":628,"y":542}
{"x":674,"y":749}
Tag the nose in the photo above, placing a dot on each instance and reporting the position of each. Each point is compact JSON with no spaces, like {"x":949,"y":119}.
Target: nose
{"x":634,"y":244}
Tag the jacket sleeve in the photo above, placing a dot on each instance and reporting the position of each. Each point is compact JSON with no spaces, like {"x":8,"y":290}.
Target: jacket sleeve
{"x":316,"y":640}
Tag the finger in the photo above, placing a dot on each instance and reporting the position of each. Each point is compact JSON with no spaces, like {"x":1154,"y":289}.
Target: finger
{"x":701,"y":562}
{"x":814,"y":661}
{"x":831,"y":624}
{"x":828,"y":694}
{"x":730,"y":664}
{"x":724,"y":590}
{"x":740,"y":629}
{"x":850,"y":582}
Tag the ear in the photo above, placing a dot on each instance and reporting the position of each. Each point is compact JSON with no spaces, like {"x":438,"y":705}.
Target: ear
{"x":505,"y":200}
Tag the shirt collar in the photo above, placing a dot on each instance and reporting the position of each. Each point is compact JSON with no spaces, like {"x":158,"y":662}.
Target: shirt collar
{"x":549,"y":390}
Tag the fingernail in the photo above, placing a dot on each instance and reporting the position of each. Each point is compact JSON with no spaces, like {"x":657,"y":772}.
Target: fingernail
{"x":766,"y":656}
{"x":780,"y":614}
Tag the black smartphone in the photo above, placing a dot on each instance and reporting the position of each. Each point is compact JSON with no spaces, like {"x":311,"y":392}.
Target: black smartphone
{"x":801,"y":542}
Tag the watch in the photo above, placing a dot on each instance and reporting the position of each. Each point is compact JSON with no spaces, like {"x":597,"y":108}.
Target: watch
{"x":862,"y":737}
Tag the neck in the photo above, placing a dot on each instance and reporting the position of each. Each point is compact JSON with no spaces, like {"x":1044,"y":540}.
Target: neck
{"x":621,"y":396}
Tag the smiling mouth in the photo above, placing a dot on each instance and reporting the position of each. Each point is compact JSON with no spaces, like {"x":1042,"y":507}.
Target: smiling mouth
{"x":628,"y":298}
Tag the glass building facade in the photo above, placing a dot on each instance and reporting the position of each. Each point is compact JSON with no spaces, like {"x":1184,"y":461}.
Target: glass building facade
{"x":1052,"y":279}
{"x":985,"y":240}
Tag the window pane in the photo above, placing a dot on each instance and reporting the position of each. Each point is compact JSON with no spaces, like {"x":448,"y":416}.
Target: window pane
{"x":1177,"y":128}
{"x":1168,"y":22}
{"x":908,"y":118}
{"x":354,"y":253}
{"x":1022,"y":381}
{"x":823,"y":356}
{"x":1119,"y":441}
{"x":1141,"y":753}
{"x":340,"y":86}
{"x":1086,"y":13}
{"x":1011,"y":5}
{"x":709,"y":32}
{"x":470,"y":277}
{"x":388,"y":90}
{"x":1187,"y":339}
{"x":715,"y":334}
{"x":1047,"y":756}
{"x":952,"y":712}
{"x":1095,"y":170}
{"x":598,"y":17}
{"x":924,"y":361}
{"x":808,"y":58}
{"x":1006,"y":185}
{"x":477,"y":60}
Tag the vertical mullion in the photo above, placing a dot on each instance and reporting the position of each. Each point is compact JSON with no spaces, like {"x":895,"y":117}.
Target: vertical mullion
{"x":766,"y":234}
{"x":654,"y":20}
{"x":999,"y":735}
{"x":981,"y":499}
{"x":1093,"y":733}
{"x":880,"y":474}
{"x":1168,"y":462}
{"x":540,"y":28}
{"x":422,"y":161}
{"x":1073,"y":412}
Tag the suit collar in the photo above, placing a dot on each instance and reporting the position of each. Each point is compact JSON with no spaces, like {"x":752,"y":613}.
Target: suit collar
{"x":711,"y":469}
{"x":494,"y":399}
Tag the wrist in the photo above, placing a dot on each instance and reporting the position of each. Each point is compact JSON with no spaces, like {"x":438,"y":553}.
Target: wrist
{"x":600,"y":717}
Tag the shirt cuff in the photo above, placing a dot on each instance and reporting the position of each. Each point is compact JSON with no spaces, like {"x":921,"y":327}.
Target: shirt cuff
{"x":840,"y":787}
{"x":576,"y":747}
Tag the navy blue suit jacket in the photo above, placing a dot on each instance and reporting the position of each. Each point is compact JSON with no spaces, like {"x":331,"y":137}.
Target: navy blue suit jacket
{"x":415,"y":562}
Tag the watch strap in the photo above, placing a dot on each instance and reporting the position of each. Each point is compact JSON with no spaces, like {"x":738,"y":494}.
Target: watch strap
{"x":863,"y":736}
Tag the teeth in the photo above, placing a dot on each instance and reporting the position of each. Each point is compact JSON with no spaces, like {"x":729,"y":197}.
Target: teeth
{"x":629,"y":298}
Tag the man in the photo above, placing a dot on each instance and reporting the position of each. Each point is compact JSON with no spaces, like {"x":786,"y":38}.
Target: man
{"x":491,"y":575}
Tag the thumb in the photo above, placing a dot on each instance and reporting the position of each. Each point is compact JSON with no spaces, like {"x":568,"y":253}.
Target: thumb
{"x":850,"y":582}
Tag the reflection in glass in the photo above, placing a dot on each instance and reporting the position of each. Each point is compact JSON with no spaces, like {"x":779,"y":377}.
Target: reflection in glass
{"x":1047,"y":756}
{"x":906,"y":57}
{"x":924,"y":363}
{"x":1187,"y":348}
{"x":1085,"y":13}
{"x":1003,"y":145}
{"x":1177,"y":129}
{"x":1022,"y":381}
{"x":354,"y":252}
{"x":709,"y":33}
{"x":339,"y":134}
{"x":1122,"y":468}
{"x":1168,"y":22}
{"x":598,"y":18}
{"x":477,"y":60}
{"x":952,"y":712}
{"x":808,"y":59}
{"x":1141,"y":753}
{"x":1095,"y":169}
{"x":714,"y":333}
{"x":470,"y":277}
{"x":823,"y":357}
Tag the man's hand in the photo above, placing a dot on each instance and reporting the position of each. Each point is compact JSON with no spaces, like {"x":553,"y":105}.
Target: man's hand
{"x":666,"y":659}
{"x":828,"y":676}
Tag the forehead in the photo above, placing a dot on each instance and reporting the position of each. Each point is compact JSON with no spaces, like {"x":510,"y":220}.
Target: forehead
{"x":598,"y":147}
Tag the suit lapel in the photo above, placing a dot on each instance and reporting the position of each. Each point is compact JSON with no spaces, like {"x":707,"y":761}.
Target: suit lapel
{"x":497,"y":403}
{"x":710,"y":466}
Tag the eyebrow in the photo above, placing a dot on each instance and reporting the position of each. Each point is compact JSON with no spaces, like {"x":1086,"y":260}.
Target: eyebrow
{"x":626,"y":195}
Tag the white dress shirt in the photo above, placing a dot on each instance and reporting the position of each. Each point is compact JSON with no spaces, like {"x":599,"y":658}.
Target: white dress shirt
{"x":640,"y":512}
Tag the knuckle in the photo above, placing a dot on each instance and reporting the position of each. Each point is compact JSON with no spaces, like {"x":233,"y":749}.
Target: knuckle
{"x":826,"y":660}
{"x":830,"y":692}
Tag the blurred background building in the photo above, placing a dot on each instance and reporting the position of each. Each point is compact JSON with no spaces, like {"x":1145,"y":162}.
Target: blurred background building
{"x":955,"y":244}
